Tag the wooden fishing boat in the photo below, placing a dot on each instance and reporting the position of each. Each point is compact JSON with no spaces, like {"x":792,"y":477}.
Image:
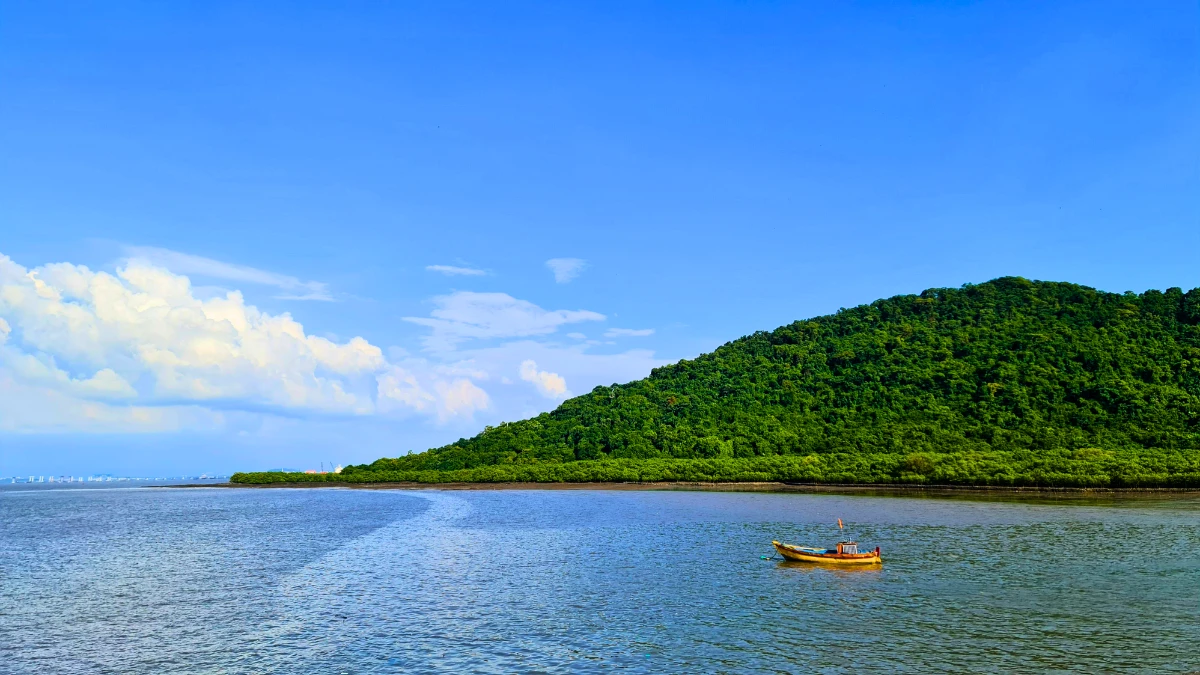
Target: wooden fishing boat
{"x":846,"y":553}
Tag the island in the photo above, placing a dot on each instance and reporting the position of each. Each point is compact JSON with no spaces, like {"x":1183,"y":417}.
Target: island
{"x":1010,"y":382}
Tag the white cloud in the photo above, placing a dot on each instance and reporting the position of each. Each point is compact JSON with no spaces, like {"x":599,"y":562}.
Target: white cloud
{"x":444,"y":390}
{"x":84,"y":341}
{"x":628,"y":332}
{"x":450,"y":270}
{"x":581,"y":369}
{"x":460,"y":397}
{"x":26,"y":408}
{"x":145,"y":323}
{"x":400,"y":385}
{"x":551,"y":385}
{"x":566,"y":269}
{"x":466,"y":315}
{"x":577,"y":336}
{"x":41,"y":370}
{"x":141,"y":350}
{"x":184,"y":263}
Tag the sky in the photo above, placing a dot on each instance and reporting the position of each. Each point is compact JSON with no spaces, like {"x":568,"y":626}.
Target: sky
{"x":244,"y":236}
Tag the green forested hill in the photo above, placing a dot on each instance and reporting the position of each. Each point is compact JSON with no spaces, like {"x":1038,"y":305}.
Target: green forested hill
{"x":938,"y":386}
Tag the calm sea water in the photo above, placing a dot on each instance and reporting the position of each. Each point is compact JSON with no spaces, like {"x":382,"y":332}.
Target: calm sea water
{"x":354,"y":581}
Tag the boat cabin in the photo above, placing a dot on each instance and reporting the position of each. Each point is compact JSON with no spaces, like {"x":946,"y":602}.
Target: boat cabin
{"x":847,"y":547}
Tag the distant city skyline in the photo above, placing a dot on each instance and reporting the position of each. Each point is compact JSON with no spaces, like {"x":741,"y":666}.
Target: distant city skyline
{"x":103,"y":478}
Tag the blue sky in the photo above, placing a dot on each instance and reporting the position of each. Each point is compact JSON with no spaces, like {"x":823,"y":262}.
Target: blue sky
{"x":402,"y":173}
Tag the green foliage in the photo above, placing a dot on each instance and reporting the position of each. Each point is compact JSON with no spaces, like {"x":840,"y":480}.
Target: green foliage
{"x":1086,"y":467}
{"x":1001,"y":383}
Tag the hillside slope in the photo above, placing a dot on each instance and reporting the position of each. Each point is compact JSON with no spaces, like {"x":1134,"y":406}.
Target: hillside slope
{"x":1008,"y":365}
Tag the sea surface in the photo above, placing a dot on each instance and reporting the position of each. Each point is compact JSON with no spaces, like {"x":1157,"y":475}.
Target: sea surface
{"x":213,"y":580}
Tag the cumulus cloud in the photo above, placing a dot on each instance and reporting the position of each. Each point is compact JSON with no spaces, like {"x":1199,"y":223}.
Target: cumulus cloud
{"x":88,"y":340}
{"x":628,"y":332}
{"x":184,"y":263}
{"x":460,"y":397}
{"x":414,"y":388}
{"x":26,"y":408}
{"x":566,"y":269}
{"x":144,"y":322}
{"x":551,"y":385}
{"x":450,"y":270}
{"x":467,"y":315}
{"x":139,"y":349}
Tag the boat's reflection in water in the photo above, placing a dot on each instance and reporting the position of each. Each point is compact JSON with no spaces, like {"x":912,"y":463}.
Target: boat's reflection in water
{"x":840,"y":571}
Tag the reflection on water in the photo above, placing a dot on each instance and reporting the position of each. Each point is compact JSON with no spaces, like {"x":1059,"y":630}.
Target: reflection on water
{"x":332,"y":581}
{"x":836,"y":572}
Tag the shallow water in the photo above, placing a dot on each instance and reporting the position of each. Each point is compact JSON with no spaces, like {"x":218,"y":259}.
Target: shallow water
{"x":351,"y":581}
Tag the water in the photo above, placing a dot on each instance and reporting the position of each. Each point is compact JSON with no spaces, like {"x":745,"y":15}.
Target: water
{"x":353,"y":581}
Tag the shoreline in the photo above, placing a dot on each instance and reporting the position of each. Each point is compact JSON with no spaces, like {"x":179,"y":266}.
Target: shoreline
{"x":845,"y":488}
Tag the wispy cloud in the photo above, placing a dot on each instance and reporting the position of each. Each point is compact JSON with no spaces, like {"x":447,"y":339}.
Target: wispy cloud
{"x":451,"y":270}
{"x":466,"y":315}
{"x":628,"y":332}
{"x":185,"y":263}
{"x":566,"y":269}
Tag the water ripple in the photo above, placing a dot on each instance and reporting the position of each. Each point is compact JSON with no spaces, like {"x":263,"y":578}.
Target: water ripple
{"x":348,"y":581}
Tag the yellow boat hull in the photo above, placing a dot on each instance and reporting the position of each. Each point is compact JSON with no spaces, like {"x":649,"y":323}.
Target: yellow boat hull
{"x":795,"y":553}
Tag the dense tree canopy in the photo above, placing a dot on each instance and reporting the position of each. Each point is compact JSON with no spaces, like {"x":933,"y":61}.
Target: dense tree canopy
{"x":1008,"y":368}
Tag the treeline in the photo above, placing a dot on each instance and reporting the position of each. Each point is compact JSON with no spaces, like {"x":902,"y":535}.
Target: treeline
{"x":1084,"y":467}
